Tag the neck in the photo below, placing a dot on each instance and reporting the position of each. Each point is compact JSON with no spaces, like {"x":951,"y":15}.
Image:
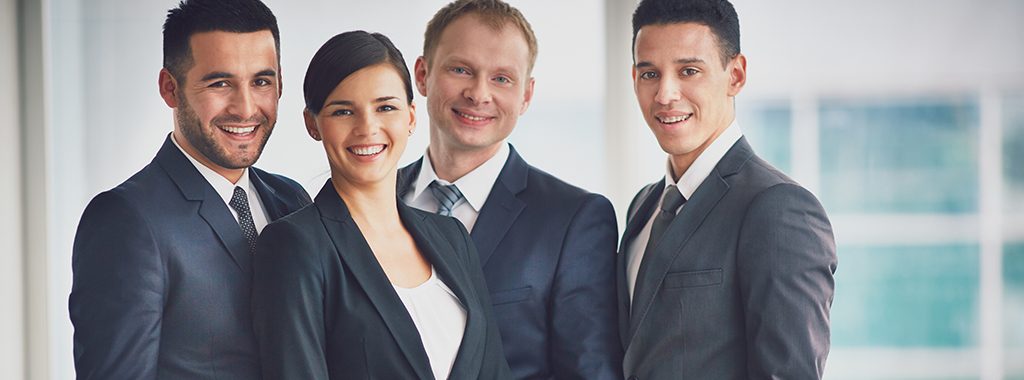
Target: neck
{"x":232,"y":175}
{"x":373,"y":206}
{"x":451,"y":164}
{"x":682,"y":162}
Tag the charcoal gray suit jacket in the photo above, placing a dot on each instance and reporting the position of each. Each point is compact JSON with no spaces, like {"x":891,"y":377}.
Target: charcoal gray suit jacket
{"x":739,"y":287}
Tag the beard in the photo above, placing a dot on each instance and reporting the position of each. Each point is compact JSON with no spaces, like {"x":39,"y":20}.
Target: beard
{"x":204,"y":140}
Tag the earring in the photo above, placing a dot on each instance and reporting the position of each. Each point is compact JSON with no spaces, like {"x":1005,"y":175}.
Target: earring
{"x":410,"y":132}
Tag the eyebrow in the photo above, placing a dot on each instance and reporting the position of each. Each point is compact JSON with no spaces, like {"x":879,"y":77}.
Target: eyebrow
{"x":226,"y":75}
{"x":681,"y":61}
{"x":349,"y":102}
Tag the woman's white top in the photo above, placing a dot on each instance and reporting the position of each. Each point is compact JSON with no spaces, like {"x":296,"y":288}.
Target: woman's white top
{"x":440,"y":320}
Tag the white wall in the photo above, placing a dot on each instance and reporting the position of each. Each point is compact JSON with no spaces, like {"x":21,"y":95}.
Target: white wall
{"x":12,"y":286}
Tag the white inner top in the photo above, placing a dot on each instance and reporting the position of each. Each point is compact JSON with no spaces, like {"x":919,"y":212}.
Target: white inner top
{"x":440,"y":319}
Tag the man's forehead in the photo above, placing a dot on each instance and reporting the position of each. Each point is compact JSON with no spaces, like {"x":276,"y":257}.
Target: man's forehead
{"x":682,"y":41}
{"x":230,"y":51}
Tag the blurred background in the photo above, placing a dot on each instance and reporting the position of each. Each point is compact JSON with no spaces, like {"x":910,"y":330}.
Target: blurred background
{"x":905,"y":117}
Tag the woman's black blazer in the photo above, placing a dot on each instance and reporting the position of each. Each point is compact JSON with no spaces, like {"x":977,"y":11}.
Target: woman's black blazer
{"x":324,"y":309}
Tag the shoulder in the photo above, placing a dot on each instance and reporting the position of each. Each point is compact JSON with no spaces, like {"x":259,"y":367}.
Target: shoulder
{"x":558,"y":193}
{"x":302,"y":222}
{"x":281,"y":183}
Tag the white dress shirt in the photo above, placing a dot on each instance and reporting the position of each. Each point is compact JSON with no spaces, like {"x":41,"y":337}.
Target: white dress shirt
{"x":475,"y":187}
{"x":226,"y":190}
{"x":687,"y":184}
{"x":440,"y":319}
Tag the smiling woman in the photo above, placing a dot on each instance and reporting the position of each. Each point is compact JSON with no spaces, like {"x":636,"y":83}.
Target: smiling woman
{"x":335,"y":280}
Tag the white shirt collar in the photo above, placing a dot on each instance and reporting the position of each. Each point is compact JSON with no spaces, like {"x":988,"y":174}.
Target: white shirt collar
{"x":705,"y":163}
{"x":475,"y":185}
{"x":221,"y":185}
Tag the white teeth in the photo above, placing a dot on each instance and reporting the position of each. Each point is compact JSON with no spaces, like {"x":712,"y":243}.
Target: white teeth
{"x":238,"y":130}
{"x":367,"y":150}
{"x":471,"y":117}
{"x":674,"y":119}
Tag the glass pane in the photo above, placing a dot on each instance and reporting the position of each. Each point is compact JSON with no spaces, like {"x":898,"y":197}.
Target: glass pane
{"x":1013,"y":152}
{"x":906,"y":296}
{"x":1013,"y":309}
{"x":767,"y":128}
{"x":915,"y":156}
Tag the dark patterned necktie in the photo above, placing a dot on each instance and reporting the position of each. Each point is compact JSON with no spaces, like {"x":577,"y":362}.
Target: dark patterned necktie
{"x":670,"y":202}
{"x":240,"y":202}
{"x":447,"y":196}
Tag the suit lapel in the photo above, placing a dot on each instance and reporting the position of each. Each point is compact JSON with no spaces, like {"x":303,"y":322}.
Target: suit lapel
{"x":635,"y":222}
{"x":656,"y":264}
{"x":431,"y":243}
{"x":407,"y":177}
{"x":501,"y":208}
{"x":272,"y":202}
{"x":359,"y":258}
{"x":211,"y":208}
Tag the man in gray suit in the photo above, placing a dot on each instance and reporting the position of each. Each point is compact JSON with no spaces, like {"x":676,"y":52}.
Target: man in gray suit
{"x":726,"y":266}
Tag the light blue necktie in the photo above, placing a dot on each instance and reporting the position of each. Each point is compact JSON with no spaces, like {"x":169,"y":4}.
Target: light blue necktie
{"x":447,"y":196}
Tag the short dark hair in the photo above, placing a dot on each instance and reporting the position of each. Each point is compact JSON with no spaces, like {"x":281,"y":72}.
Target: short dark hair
{"x":345,"y":54}
{"x":197,"y":16}
{"x":493,"y":13}
{"x":718,"y":15}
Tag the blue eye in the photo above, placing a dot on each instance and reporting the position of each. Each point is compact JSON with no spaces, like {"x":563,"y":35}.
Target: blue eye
{"x":459,"y":70}
{"x":386,"y":108}
{"x":503,"y":80}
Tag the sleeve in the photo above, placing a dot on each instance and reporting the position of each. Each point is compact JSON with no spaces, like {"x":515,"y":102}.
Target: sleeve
{"x":786,"y":261}
{"x":288,"y":303}
{"x":584,"y":314}
{"x":495,"y":366}
{"x":117,"y":295}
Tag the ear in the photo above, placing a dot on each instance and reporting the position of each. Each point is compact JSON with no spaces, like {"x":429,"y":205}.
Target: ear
{"x":737,"y":74}
{"x":632,"y":74}
{"x":311,"y":127}
{"x":412,"y":118}
{"x":168,"y":87}
{"x":421,"y":75}
{"x":280,"y":83}
{"x":527,"y":96}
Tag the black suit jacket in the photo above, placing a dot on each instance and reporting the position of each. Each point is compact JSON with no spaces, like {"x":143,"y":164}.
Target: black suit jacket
{"x":324,"y":309}
{"x":162,"y":276}
{"x":740,"y":286}
{"x":548,"y":254}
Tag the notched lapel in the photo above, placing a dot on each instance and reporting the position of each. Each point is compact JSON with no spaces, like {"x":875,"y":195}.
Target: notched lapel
{"x":212,"y":208}
{"x":656,"y":264}
{"x":272,"y":202}
{"x":355,"y":252}
{"x":501,"y":208}
{"x":635,"y":223}
{"x":432,"y":243}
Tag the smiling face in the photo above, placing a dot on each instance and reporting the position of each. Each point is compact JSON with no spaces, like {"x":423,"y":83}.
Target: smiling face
{"x":365,"y":124}
{"x":477,"y":84}
{"x":226,"y":106}
{"x":684,"y":90}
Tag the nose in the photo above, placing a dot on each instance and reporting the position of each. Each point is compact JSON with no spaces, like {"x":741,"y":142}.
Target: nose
{"x":243,"y":103}
{"x":478,"y":91}
{"x":368,"y":125}
{"x":668,"y":91}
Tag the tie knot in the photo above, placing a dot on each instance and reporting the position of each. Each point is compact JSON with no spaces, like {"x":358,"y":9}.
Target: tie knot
{"x":447,"y":196}
{"x":672,"y":199}
{"x":239,"y":201}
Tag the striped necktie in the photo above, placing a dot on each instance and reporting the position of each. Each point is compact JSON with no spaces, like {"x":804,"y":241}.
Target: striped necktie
{"x":447,"y":196}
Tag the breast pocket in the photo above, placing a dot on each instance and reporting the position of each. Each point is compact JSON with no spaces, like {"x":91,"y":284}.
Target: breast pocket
{"x":693,"y":279}
{"x":502,"y":297}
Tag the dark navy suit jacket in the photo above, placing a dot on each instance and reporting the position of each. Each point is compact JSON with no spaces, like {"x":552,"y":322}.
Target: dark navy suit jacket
{"x":324,"y":309}
{"x":548,"y":255}
{"x":162,"y":276}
